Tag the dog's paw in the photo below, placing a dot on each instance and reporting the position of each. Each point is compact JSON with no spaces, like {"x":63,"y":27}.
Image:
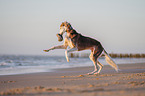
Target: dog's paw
{"x":97,"y":73}
{"x":67,"y":60}
{"x":46,"y":50}
{"x":92,"y":73}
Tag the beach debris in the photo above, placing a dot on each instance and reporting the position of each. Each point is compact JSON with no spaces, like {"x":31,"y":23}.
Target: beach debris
{"x":116,"y":82}
{"x":39,"y":87}
{"x":91,"y":85}
{"x":107,"y":75}
{"x":97,"y":78}
{"x":91,"y":90}
{"x":63,"y":76}
{"x":135,"y":83}
{"x":12,"y":92}
{"x":7,"y":81}
{"x":81,"y":76}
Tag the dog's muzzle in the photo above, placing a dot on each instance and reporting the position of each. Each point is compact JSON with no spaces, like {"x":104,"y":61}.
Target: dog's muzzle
{"x":60,"y":38}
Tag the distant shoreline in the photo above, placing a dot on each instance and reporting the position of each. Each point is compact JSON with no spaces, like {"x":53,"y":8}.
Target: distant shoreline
{"x":113,"y":55}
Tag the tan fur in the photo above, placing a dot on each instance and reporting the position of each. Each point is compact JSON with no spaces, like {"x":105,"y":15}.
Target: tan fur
{"x":78,"y":42}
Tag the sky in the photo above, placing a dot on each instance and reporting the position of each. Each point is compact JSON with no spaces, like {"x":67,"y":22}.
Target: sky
{"x":30,"y":26}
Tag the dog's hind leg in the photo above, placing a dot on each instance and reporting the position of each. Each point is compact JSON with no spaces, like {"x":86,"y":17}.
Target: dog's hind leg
{"x":96,"y":67}
{"x":100,"y":67}
{"x":94,"y":57}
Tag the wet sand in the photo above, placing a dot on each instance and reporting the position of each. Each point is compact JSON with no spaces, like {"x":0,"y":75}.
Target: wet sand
{"x":130,"y":81}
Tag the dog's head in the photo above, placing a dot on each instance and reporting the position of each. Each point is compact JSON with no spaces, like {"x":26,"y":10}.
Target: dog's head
{"x":64,"y":27}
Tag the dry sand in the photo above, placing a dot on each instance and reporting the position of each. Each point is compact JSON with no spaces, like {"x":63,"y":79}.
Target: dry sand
{"x":130,"y":81}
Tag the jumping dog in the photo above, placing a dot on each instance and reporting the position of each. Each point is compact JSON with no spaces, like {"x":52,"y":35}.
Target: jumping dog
{"x":77,"y":42}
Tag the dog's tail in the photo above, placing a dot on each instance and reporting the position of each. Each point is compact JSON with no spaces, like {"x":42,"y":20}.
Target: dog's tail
{"x":110,"y":61}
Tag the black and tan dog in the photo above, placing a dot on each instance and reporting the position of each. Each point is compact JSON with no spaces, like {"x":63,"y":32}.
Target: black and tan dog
{"x":78,"y":42}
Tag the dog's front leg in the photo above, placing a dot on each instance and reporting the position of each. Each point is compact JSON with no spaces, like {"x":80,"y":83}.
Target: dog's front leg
{"x":56,"y":47}
{"x":69,"y":50}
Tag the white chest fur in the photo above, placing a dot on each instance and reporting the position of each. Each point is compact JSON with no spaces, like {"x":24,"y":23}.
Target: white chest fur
{"x":70,"y":43}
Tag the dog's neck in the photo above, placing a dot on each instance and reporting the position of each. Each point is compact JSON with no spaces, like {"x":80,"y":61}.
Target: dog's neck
{"x":72,"y":33}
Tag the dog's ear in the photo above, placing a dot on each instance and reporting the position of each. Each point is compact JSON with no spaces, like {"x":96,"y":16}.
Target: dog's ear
{"x":69,"y":26}
{"x":62,"y":24}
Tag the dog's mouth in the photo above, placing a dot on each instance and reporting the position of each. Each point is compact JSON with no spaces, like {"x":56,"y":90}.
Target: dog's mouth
{"x":60,"y":37}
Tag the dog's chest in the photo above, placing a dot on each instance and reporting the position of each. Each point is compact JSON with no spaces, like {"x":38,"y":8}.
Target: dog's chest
{"x":70,"y":43}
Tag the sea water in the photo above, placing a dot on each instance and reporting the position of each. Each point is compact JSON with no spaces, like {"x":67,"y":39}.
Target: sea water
{"x":19,"y":64}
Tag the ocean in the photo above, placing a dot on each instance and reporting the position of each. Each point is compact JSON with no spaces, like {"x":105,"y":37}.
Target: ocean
{"x":22,"y":64}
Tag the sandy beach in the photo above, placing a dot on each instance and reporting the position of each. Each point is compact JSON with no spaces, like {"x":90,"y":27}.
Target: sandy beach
{"x":130,"y":81}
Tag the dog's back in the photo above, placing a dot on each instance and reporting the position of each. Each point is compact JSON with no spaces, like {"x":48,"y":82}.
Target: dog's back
{"x":83,"y":42}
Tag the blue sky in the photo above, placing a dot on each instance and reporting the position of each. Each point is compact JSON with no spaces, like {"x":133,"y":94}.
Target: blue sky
{"x":29,"y":26}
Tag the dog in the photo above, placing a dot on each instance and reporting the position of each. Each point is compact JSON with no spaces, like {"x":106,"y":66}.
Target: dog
{"x":77,"y":42}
